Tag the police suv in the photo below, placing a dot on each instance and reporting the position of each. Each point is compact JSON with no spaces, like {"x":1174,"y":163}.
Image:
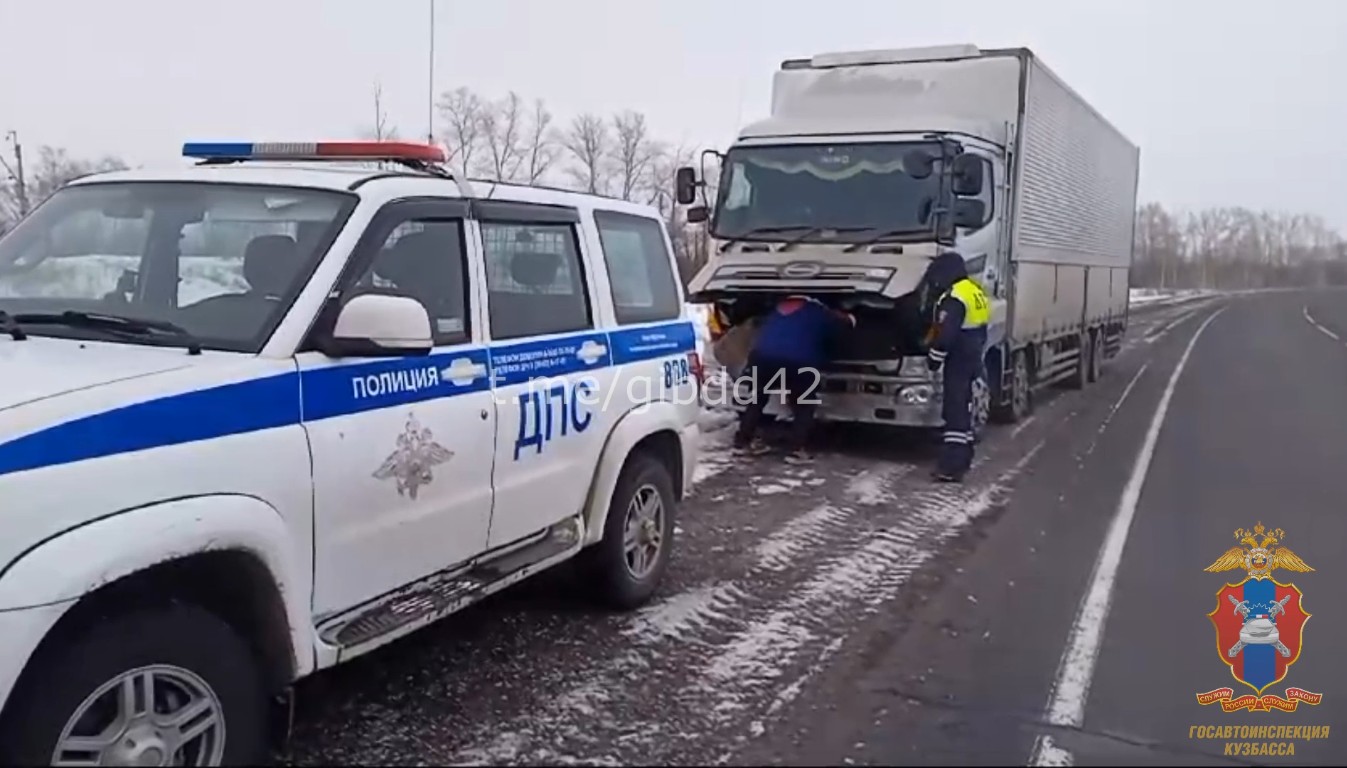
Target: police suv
{"x":263,"y":414}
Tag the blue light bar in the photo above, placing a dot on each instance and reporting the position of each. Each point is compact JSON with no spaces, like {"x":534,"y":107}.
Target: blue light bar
{"x":230,"y":150}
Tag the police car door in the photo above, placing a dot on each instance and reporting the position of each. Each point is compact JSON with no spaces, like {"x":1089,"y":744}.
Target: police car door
{"x":549,"y":363}
{"x":402,"y":446}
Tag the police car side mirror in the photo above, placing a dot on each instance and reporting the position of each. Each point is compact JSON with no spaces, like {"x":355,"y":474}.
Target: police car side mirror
{"x":376,"y":325}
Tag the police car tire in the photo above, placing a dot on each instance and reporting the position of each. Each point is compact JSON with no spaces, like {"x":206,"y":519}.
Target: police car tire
{"x":607,"y":561}
{"x":181,"y":635}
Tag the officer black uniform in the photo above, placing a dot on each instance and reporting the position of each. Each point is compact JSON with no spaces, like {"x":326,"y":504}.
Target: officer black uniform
{"x":960,"y":334}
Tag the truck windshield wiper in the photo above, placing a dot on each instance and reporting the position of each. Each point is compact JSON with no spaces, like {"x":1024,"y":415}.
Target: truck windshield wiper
{"x":731,"y":240}
{"x":10,"y":326}
{"x":880,"y":235}
{"x":815,"y":230}
{"x":809,"y":231}
{"x":125,"y":326}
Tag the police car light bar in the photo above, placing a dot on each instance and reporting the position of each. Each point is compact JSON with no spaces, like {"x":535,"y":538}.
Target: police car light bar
{"x":397,"y":151}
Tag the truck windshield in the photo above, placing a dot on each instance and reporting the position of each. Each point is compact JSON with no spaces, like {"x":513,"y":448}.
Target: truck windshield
{"x":855,"y":190}
{"x":222,"y":262}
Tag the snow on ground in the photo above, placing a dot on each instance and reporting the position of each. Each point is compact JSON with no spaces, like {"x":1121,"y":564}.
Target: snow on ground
{"x":1139,"y":296}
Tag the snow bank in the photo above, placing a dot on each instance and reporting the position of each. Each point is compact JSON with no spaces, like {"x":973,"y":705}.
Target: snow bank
{"x":1140,"y":296}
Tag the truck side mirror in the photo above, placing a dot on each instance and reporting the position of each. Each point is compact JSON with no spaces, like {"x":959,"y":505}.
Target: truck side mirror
{"x":968,"y":175}
{"x":697,"y":214}
{"x":969,"y":212}
{"x":918,"y":163}
{"x":685,"y":185}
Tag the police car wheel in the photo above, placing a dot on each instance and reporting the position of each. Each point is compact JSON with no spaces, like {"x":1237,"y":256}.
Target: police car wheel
{"x":166,"y":686}
{"x":629,"y":562}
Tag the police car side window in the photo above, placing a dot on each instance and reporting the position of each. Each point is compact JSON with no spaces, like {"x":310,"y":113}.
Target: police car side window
{"x":639,"y":272}
{"x":424,"y":259}
{"x":535,"y":282}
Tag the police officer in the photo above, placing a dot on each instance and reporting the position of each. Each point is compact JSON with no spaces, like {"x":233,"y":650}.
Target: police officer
{"x":960,"y":334}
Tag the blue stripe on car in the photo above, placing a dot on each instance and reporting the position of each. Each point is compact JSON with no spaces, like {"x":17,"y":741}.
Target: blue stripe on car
{"x":333,"y":391}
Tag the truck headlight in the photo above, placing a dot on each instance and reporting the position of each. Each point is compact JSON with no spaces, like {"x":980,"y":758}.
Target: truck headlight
{"x":917,"y":394}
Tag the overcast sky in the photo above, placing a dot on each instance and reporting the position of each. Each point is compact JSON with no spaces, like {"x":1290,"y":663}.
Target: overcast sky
{"x":1237,"y":102}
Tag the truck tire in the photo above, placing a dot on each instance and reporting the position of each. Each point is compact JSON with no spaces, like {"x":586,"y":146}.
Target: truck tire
{"x":1020,"y":402}
{"x":176,"y":660}
{"x":1081,"y":376}
{"x":1096,"y":355}
{"x":627,"y":565}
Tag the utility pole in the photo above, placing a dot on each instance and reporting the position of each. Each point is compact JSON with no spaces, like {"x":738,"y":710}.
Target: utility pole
{"x":20,"y":184}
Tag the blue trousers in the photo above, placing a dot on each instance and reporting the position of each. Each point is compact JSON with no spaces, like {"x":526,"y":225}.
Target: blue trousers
{"x":956,"y":449}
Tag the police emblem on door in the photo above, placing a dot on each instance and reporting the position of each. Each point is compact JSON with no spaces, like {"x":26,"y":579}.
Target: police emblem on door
{"x":411,"y":465}
{"x":1260,"y":623}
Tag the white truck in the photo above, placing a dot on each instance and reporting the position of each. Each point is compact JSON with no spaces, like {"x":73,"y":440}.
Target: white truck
{"x":873,"y":162}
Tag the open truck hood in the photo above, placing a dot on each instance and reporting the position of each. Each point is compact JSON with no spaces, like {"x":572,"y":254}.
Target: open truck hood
{"x":811,"y":268}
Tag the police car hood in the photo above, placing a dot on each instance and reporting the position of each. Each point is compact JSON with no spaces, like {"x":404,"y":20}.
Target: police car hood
{"x":38,"y":368}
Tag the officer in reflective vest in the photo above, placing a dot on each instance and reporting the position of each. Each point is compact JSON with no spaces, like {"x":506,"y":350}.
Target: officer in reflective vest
{"x":959,"y":335}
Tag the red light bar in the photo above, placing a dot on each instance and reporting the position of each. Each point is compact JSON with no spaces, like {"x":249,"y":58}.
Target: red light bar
{"x":386,"y":150}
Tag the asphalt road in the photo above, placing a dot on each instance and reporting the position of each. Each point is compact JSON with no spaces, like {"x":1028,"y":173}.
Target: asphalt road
{"x":846,"y":610}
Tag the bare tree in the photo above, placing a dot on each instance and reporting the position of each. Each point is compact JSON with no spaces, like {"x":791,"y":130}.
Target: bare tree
{"x":634,"y":155}
{"x":55,"y":168}
{"x":590,"y":147}
{"x":382,"y":130}
{"x":462,"y":111}
{"x":502,"y":129}
{"x":541,"y":146}
{"x":663,"y":169}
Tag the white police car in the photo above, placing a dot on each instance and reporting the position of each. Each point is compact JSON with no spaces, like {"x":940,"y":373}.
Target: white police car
{"x":261,"y":417}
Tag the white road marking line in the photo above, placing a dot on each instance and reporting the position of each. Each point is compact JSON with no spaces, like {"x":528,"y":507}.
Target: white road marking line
{"x":1116,"y":405}
{"x":1014,"y":433}
{"x":1321,"y":328}
{"x":1174,"y":323}
{"x":1071,"y":690}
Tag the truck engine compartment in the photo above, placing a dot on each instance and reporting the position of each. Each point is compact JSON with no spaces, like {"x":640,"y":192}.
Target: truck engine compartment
{"x":886,"y":329}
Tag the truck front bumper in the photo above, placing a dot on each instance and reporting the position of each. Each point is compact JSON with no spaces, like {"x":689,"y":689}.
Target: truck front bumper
{"x":873,"y":400}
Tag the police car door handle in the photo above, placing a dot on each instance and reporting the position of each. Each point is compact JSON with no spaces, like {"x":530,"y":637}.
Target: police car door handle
{"x":591,"y":351}
{"x":462,"y":371}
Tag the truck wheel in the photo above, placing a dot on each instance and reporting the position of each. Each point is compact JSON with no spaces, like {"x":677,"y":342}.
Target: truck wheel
{"x":166,"y":686}
{"x":1096,"y":356}
{"x":1081,"y":376}
{"x":1020,"y":403}
{"x":629,"y":562}
{"x":980,"y":404}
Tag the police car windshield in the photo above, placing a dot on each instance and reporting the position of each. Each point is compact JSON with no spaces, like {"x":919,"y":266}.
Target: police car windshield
{"x":221,"y":261}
